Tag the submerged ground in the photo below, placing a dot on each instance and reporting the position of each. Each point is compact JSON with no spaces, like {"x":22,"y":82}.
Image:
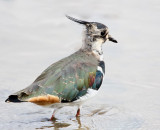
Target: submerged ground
{"x":35,"y":34}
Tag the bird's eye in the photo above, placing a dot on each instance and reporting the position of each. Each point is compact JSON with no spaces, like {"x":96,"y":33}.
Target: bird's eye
{"x":103,"y":33}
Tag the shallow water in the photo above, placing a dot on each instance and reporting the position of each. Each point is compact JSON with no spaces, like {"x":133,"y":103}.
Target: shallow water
{"x":35,"y":34}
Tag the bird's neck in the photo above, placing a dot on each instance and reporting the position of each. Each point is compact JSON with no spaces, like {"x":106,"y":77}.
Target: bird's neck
{"x":94,"y":47}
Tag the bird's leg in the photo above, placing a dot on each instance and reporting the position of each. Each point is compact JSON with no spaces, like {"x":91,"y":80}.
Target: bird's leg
{"x":78,"y":112}
{"x":53,"y":115}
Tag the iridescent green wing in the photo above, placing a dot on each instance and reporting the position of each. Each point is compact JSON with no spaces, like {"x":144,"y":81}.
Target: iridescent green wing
{"x":74,"y":79}
{"x":67,"y":79}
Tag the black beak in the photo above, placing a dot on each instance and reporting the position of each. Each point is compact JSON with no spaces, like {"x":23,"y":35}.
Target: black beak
{"x":78,"y":21}
{"x":112,"y":39}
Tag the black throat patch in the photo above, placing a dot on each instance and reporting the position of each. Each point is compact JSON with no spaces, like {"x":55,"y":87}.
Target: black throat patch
{"x":102,"y":65}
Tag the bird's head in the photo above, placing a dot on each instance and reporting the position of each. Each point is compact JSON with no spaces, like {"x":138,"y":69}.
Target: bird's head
{"x":95,"y":32}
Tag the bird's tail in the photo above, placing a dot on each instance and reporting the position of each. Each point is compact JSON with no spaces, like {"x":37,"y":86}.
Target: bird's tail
{"x":13,"y":98}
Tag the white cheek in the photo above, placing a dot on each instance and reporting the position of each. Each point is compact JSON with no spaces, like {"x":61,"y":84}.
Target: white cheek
{"x":107,"y":36}
{"x":100,"y":41}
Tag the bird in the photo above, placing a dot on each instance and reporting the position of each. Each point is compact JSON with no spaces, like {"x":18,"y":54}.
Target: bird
{"x":74,"y":79}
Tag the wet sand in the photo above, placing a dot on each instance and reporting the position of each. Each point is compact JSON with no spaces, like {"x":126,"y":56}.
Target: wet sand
{"x":35,"y":33}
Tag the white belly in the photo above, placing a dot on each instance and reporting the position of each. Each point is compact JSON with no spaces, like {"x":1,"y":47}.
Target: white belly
{"x":90,"y":93}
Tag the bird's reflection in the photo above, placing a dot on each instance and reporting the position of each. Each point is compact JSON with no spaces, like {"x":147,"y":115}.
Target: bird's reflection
{"x":57,"y":124}
{"x":79,"y":122}
{"x":75,"y":122}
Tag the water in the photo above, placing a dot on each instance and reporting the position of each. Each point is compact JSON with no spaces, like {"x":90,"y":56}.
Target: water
{"x":35,"y":34}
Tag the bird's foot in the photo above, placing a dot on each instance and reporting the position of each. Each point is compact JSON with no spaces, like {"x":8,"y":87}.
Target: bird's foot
{"x":52,"y":118}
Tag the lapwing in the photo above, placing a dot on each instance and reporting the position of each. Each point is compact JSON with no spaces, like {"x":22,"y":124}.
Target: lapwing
{"x":71,"y":80}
